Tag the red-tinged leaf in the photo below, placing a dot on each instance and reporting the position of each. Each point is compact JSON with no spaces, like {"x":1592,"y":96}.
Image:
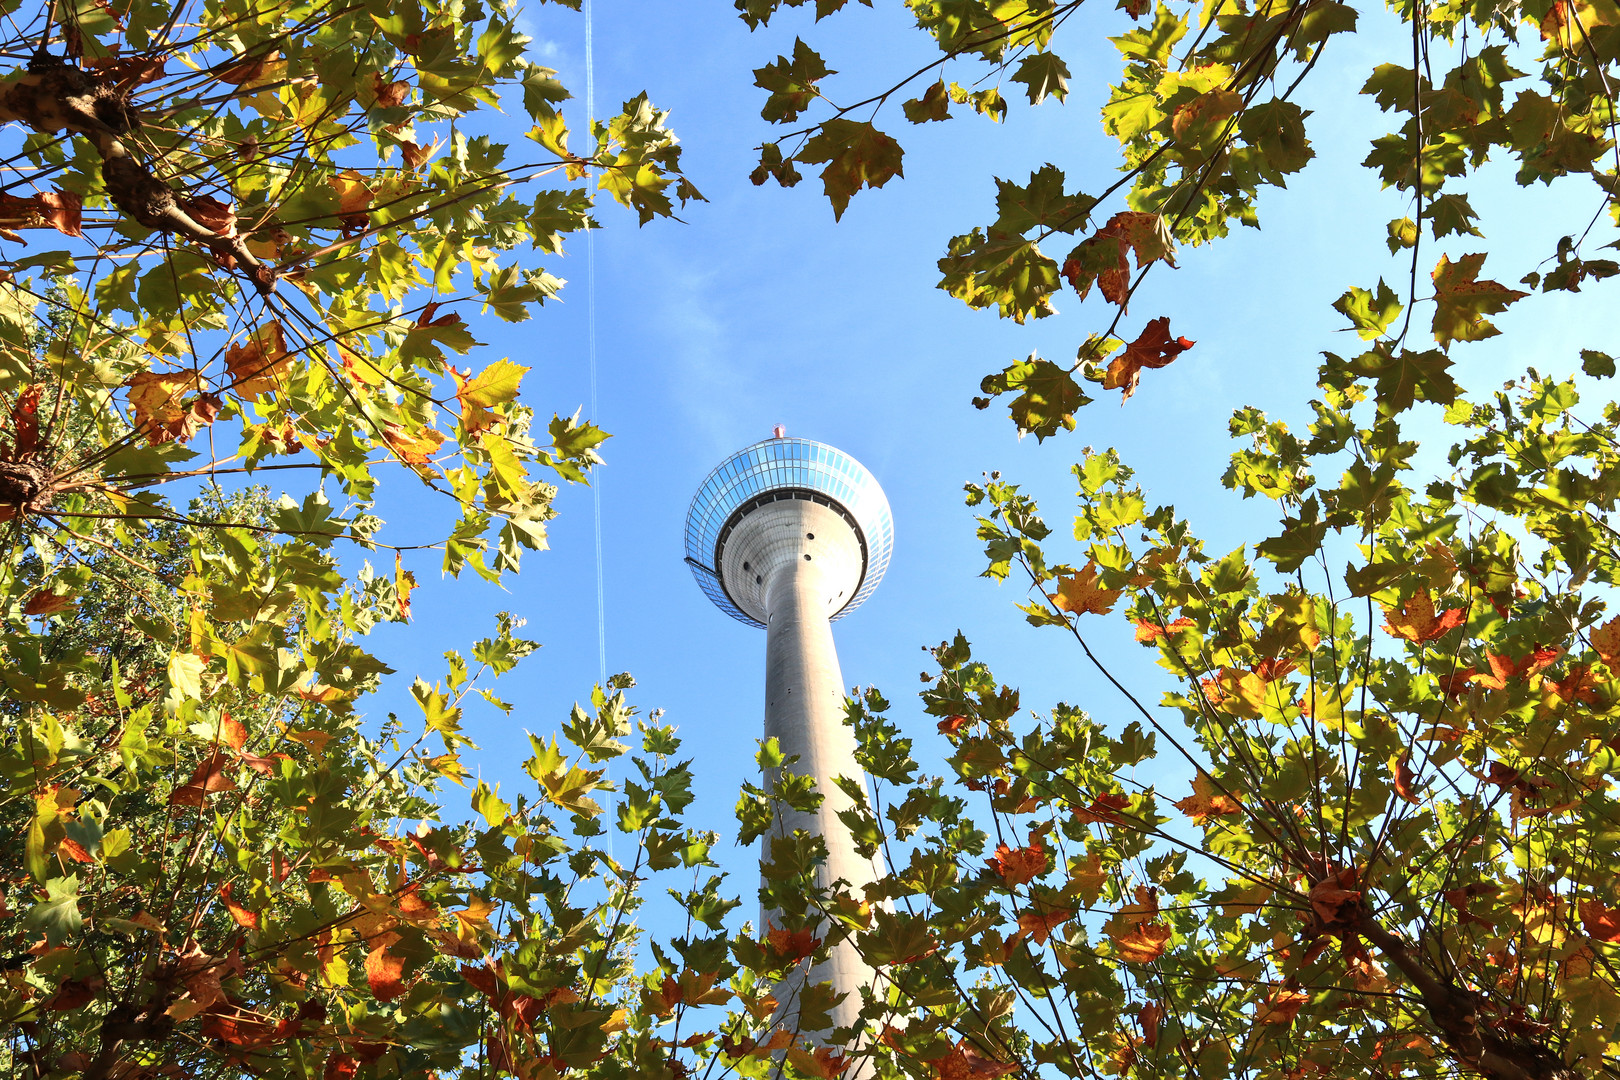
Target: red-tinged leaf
{"x":213,"y":215}
{"x":1148,"y":631}
{"x":1208,"y":801}
{"x":384,"y":973}
{"x":1334,"y":902}
{"x":240,"y":1030}
{"x":1282,"y":1007}
{"x":208,"y":778}
{"x":1406,"y":785}
{"x":404,"y":582}
{"x":952,"y":724}
{"x":232,"y":732}
{"x":790,"y":946}
{"x":240,"y":914}
{"x":73,"y":851}
{"x":340,"y":1067}
{"x":390,"y":95}
{"x":430,"y":316}
{"x":1417,"y":622}
{"x":1018,"y":866}
{"x":73,"y":994}
{"x":1606,"y":640}
{"x":482,"y":979}
{"x":46,"y":602}
{"x":967,"y":1062}
{"x":1103,"y":809}
{"x":1144,"y":944}
{"x":1038,"y":925}
{"x":25,"y":423}
{"x":1462,"y":301}
{"x":61,"y":211}
{"x":1153,"y":348}
{"x":1599,"y":921}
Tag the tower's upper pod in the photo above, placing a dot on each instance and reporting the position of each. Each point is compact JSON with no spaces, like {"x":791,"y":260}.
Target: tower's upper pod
{"x":771,"y":471}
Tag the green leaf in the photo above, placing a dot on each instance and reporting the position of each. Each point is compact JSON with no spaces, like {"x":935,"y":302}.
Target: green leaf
{"x":857,"y":155}
{"x":1043,"y":73}
{"x":1370,"y":315}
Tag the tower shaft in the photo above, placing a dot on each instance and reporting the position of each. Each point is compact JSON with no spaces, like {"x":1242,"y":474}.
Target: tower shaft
{"x":804,"y":712}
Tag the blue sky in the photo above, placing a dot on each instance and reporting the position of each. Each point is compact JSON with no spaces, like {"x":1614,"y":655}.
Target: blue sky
{"x":761,"y":310}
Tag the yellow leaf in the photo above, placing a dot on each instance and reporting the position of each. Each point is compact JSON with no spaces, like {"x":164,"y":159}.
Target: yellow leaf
{"x":1082,"y":592}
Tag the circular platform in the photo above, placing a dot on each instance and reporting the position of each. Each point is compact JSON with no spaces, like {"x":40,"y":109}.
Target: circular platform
{"x":784,"y":468}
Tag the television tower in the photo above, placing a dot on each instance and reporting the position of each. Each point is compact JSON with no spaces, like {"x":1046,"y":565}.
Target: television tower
{"x":790,"y":535}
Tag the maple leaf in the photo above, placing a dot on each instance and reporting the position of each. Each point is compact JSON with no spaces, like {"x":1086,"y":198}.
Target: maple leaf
{"x":1082,"y":592}
{"x":952,"y":724}
{"x":1416,"y":620}
{"x":1103,"y":809}
{"x":1101,"y":257}
{"x":1144,"y":944}
{"x":1406,"y":780}
{"x":258,"y":365}
{"x":1038,"y":925}
{"x":857,"y":155}
{"x":208,"y":778}
{"x":1207,"y":801}
{"x":155,"y":397}
{"x":1153,"y":348}
{"x":210,"y":213}
{"x":1018,"y":866}
{"x":1089,"y":877}
{"x":1606,"y":640}
{"x":354,"y":197}
{"x":390,"y":95}
{"x":1332,"y":900}
{"x":790,"y":946}
{"x":242,"y":916}
{"x":1462,"y":301}
{"x":1281,"y":1007}
{"x":384,"y":972}
{"x":966,"y":1062}
{"x":415,"y":449}
{"x":1148,"y":631}
{"x":1600,"y":922}
{"x":1504,"y":668}
{"x":474,"y":919}
{"x":232,"y":732}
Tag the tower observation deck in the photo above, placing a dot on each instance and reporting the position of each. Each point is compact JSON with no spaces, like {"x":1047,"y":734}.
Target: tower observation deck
{"x":790,"y":535}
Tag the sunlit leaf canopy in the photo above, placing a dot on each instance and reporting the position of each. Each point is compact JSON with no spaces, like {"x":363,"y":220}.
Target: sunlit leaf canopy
{"x":241,"y":237}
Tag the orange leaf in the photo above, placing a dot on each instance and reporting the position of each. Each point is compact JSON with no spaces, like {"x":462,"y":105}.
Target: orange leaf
{"x":1153,"y":348}
{"x":1406,"y":780}
{"x":1606,"y":640}
{"x":1143,"y":945}
{"x":1018,"y":866}
{"x":1082,"y":592}
{"x":1335,"y":903}
{"x":232,"y":733}
{"x":790,"y":946}
{"x":1416,"y":619}
{"x":209,"y":777}
{"x":1038,"y":926}
{"x":413,"y":448}
{"x":1148,"y":631}
{"x":383,"y":974}
{"x":260,"y":364}
{"x":242,"y":915}
{"x":1103,"y":809}
{"x":72,"y":849}
{"x":952,"y":724}
{"x":155,"y":397}
{"x":1281,"y":1007}
{"x":390,"y":95}
{"x":966,"y":1062}
{"x":1207,"y":801}
{"x":1600,"y":922}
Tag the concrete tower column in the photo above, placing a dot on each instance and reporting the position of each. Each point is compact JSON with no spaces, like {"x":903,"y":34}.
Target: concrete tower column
{"x":804,"y":712}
